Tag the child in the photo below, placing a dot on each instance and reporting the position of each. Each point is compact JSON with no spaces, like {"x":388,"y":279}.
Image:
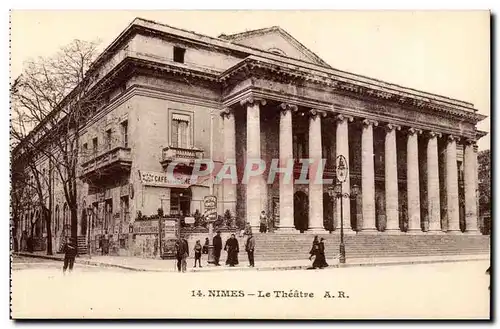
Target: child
{"x":197,"y":253}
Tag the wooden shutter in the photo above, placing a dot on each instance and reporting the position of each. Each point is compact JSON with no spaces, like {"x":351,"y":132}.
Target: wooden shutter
{"x":175,"y":133}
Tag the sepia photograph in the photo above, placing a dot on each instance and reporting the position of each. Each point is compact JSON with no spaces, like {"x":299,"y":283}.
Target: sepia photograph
{"x":272,"y":165}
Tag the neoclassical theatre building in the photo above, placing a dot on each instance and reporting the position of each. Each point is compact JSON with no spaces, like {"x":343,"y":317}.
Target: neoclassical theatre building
{"x":180,"y":95}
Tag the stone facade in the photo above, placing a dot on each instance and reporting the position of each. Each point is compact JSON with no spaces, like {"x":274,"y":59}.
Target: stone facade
{"x":263,"y":95}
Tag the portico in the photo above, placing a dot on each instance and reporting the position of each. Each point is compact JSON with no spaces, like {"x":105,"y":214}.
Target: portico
{"x":303,"y":115}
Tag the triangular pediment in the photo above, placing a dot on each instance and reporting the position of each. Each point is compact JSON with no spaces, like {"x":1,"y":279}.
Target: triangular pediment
{"x":276,"y":40}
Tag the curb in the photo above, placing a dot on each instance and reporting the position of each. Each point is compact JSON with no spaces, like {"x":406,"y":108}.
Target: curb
{"x":273,"y":268}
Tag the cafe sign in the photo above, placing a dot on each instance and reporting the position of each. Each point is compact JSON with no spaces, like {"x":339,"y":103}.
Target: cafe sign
{"x":161,"y":179}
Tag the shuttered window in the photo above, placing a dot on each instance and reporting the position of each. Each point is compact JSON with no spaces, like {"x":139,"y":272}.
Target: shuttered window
{"x":181,"y":131}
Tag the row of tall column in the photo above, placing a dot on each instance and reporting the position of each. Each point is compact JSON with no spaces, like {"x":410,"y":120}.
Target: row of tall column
{"x":255,"y":198}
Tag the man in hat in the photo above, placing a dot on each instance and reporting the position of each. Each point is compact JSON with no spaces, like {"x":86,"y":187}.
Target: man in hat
{"x":217,"y":242}
{"x":70,"y":252}
{"x":250,"y":248}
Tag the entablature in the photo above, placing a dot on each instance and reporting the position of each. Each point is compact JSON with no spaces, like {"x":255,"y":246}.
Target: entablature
{"x":256,"y":68}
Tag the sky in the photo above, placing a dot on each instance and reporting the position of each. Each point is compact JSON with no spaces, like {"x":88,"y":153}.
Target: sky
{"x":445,"y":53}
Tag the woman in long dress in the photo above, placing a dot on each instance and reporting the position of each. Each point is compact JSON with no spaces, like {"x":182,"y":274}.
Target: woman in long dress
{"x":320,"y":260}
{"x":232,"y":247}
{"x":314,"y":248}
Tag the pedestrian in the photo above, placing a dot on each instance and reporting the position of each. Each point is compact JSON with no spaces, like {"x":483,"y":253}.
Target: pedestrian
{"x":314,"y":248}
{"x":320,"y":260}
{"x":248,"y":229}
{"x":70,"y":252}
{"x":217,"y":242}
{"x":197,"y":253}
{"x":185,"y":255}
{"x":205,"y":246}
{"x":232,"y":247}
{"x":250,"y":248}
{"x":105,"y":244}
{"x":180,"y":254}
{"x":263,"y":222}
{"x":270,"y":226}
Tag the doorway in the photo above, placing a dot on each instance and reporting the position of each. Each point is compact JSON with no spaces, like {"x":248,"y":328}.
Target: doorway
{"x":83,"y":226}
{"x":180,"y":202}
{"x":301,"y":211}
{"x":328,"y":212}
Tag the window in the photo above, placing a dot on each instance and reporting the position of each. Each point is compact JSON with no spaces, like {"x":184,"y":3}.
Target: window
{"x":85,"y":148}
{"x":125,"y":209}
{"x":94,"y":145}
{"x":179,"y":54}
{"x":108,"y":139}
{"x":108,"y":216}
{"x":125,"y":133}
{"x":181,"y":131}
{"x":95,"y":215}
{"x":299,"y":146}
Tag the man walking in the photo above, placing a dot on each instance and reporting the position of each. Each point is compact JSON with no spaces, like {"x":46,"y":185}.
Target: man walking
{"x":70,"y":252}
{"x":182,"y":253}
{"x":250,"y":248}
{"x":217,"y":242}
{"x":185,"y":255}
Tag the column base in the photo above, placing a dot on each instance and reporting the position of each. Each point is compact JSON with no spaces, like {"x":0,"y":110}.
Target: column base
{"x":393,"y":231}
{"x":434,"y":232}
{"x":347,"y":231}
{"x":474,"y":232}
{"x":415,"y":231}
{"x":454,"y":232}
{"x":368,"y":231}
{"x":316,"y":230}
{"x":286,"y":230}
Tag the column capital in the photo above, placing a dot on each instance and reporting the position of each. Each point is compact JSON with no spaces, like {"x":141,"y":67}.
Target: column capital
{"x":469,"y":141}
{"x":453,"y":138}
{"x":314,"y":113}
{"x":414,"y":131}
{"x":432,"y":134}
{"x":369,"y":122}
{"x":342,"y":117}
{"x":226,"y":112}
{"x":250,"y":100}
{"x":391,"y":126}
{"x":285,"y":107}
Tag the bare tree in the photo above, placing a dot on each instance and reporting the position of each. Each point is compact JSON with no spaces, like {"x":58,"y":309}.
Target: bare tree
{"x":51,"y":101}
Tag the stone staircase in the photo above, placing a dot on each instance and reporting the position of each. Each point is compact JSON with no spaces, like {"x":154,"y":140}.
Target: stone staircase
{"x":273,"y":246}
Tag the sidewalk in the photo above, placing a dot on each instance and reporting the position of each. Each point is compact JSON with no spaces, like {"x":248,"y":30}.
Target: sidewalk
{"x":158,"y":265}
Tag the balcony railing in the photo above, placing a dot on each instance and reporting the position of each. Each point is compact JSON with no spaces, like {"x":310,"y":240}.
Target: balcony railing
{"x":171,"y":153}
{"x":117,"y":157}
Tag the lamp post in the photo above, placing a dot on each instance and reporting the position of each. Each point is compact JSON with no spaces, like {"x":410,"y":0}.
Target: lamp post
{"x":342,"y":172}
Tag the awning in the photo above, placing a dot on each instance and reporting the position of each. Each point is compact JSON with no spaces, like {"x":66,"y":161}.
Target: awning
{"x":181,"y":117}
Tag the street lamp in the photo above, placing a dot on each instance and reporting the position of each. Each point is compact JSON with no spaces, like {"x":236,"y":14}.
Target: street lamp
{"x":342,"y":172}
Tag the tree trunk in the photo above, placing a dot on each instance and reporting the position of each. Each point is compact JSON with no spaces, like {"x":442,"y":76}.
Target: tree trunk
{"x":74,"y":222}
{"x":49,"y":231}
